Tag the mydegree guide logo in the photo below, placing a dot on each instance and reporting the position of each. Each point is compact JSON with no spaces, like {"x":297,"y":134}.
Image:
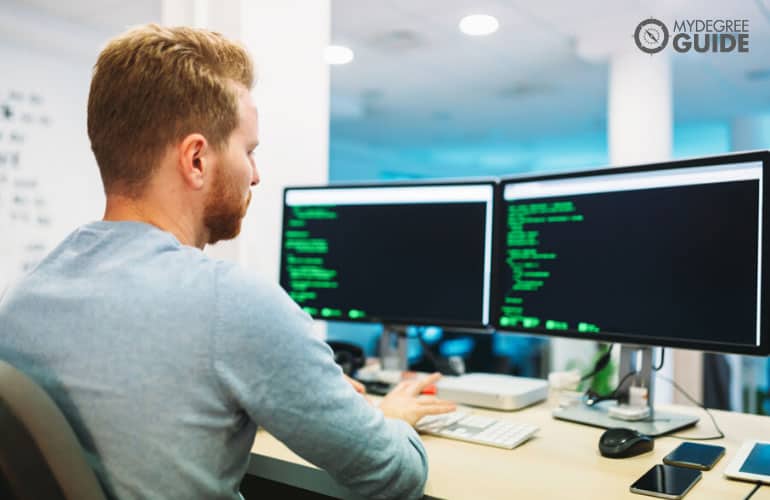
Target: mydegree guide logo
{"x":700,"y":35}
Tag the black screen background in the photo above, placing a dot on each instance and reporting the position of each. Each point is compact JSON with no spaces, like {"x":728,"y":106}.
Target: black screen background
{"x":678,"y":262}
{"x":411,"y":262}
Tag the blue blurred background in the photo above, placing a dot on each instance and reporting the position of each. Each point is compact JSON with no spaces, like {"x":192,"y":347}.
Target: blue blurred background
{"x":421,"y":101}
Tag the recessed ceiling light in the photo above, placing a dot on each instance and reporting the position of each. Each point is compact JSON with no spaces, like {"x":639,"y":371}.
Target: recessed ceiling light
{"x":338,"y":54}
{"x":479,"y":25}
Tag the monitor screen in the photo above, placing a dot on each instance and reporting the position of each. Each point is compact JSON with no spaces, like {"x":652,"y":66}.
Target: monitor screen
{"x":666,"y":254}
{"x":403,"y":254}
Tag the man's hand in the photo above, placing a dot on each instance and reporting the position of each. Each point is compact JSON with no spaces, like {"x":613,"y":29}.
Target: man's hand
{"x":405,"y":402}
{"x":358,"y":386}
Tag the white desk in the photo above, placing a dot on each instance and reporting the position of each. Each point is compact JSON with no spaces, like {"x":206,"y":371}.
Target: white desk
{"x":561,"y":462}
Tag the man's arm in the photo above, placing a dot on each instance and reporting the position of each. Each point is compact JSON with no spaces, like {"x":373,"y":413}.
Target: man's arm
{"x":269,"y":364}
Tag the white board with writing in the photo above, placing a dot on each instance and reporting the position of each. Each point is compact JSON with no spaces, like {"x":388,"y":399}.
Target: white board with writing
{"x":49,"y":182}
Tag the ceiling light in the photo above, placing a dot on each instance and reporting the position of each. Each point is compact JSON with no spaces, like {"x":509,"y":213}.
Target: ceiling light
{"x":338,"y":54}
{"x":479,"y":25}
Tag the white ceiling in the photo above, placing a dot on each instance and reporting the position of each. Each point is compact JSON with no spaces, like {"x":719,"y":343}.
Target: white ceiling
{"x":416,"y":80}
{"x":103,"y":15}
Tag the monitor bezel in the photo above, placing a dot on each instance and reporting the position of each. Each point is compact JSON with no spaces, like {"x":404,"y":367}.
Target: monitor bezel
{"x":605,"y":336}
{"x":394,"y":320}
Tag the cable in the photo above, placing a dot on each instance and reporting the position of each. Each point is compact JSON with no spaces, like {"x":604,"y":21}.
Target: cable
{"x":753,"y":491}
{"x":662,"y":357}
{"x":620,"y":384}
{"x":600,"y":364}
{"x":592,"y":398}
{"x":696,"y":403}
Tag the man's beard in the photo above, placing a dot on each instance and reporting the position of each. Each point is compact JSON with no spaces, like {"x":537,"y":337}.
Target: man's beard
{"x":225,"y":209}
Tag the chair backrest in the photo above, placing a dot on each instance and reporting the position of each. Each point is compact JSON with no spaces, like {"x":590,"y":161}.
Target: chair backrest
{"x":40,"y":456}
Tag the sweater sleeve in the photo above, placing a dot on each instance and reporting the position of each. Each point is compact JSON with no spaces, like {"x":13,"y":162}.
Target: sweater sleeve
{"x":271,"y":366}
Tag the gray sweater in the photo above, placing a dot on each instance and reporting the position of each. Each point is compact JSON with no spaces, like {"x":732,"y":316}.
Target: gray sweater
{"x":166,"y":361}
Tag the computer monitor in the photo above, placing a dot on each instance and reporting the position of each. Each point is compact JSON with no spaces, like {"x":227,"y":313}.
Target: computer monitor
{"x":666,"y":254}
{"x":405,"y":254}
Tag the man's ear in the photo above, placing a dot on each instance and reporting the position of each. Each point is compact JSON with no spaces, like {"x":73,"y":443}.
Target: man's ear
{"x":194,"y":160}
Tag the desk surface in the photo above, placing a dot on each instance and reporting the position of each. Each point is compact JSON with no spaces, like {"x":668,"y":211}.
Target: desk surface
{"x":561,"y":461}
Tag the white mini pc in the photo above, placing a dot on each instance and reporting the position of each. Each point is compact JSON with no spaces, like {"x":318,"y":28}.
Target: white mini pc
{"x":489,"y":390}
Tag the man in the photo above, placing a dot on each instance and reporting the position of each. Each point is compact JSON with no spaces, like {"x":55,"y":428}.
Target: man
{"x":163,"y":360}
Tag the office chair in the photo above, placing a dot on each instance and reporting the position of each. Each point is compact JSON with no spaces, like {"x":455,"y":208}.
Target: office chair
{"x":40,"y":456}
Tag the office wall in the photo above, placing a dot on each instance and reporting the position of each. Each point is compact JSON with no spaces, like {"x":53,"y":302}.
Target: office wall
{"x":48,"y":60}
{"x":49,"y":182}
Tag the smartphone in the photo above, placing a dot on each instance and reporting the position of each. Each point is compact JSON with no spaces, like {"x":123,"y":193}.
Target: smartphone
{"x":666,"y":481}
{"x":695,"y":456}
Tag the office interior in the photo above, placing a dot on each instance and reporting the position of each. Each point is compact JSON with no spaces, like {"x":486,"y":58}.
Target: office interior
{"x":558,"y":87}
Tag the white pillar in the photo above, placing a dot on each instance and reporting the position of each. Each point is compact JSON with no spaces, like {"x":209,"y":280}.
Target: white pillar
{"x":640,"y":111}
{"x":286,"y":39}
{"x":640,"y":129}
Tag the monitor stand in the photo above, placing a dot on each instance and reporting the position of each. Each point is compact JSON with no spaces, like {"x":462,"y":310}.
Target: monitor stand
{"x":393,"y":355}
{"x":656,"y":424}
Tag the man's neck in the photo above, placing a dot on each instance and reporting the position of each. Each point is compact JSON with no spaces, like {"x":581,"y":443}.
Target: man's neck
{"x":122,"y":208}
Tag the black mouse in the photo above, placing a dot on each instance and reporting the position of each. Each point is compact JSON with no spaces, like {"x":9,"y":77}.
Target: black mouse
{"x":623,"y":443}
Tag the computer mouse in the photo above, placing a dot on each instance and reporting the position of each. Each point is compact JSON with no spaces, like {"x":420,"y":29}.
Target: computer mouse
{"x":621,"y":442}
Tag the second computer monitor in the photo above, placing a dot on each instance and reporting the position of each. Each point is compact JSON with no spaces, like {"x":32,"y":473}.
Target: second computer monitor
{"x":666,"y":254}
{"x":403,"y":254}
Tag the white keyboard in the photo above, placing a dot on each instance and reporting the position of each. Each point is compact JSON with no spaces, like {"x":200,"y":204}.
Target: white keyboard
{"x":477,"y":429}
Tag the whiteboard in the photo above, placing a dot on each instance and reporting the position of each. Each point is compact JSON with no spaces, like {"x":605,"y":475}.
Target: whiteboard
{"x":49,"y":181}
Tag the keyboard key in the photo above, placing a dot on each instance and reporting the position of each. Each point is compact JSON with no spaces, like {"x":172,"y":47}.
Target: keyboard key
{"x":479,"y":429}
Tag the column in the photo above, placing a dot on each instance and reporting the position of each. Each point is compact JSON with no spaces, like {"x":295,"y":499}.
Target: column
{"x":640,"y":130}
{"x":640,"y":110}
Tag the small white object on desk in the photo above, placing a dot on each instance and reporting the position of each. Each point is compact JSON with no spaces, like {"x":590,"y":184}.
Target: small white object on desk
{"x":637,"y":396}
{"x":564,"y":387}
{"x":373,"y":372}
{"x":492,"y":390}
{"x":564,"y":381}
{"x":628,"y":412}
